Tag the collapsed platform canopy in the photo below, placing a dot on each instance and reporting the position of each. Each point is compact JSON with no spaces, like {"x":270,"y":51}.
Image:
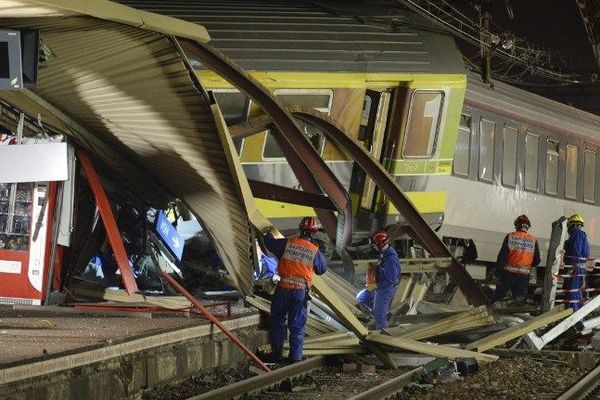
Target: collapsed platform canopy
{"x":118,"y":84}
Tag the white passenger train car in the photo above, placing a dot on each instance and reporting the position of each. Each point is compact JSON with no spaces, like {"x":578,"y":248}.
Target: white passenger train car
{"x":518,"y":153}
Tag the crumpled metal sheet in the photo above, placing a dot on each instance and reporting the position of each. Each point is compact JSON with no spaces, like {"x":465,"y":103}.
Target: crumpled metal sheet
{"x":144,"y":116}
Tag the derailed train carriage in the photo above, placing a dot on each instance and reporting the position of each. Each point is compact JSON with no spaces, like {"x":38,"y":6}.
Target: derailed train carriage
{"x":398,"y":92}
{"x":470,"y":162}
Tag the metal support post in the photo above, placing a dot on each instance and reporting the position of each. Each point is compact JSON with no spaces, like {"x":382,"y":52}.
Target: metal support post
{"x":557,"y":238}
{"x":108,"y":219}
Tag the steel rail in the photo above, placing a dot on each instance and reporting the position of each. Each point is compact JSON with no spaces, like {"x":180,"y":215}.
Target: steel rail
{"x":262,"y":381}
{"x":582,"y":388}
{"x":390,"y":387}
{"x":310,"y":169}
{"x":208,"y":315}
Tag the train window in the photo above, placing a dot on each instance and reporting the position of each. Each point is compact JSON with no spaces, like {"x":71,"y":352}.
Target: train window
{"x":317,"y":99}
{"x":532,"y":144}
{"x":423,"y":123}
{"x":486,"y":150}
{"x":571,"y":175}
{"x":463,"y":144}
{"x":235,"y":107}
{"x":509,"y":156}
{"x":364,"y":119}
{"x":589,"y":184}
{"x":552,"y":147}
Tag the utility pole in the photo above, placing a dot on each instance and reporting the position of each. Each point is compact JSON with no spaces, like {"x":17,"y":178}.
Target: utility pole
{"x":484,"y":33}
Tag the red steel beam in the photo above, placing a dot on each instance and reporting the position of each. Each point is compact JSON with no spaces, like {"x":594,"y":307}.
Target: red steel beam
{"x":108,"y":219}
{"x":252,"y":127}
{"x":300,"y":154}
{"x":269,"y":191}
{"x":387,"y":184}
{"x":198,"y":306}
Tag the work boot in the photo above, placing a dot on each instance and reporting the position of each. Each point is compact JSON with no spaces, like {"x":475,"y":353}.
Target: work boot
{"x":271,"y":358}
{"x":290,"y":361}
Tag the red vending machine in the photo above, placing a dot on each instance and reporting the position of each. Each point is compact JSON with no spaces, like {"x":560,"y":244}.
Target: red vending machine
{"x":25,"y":215}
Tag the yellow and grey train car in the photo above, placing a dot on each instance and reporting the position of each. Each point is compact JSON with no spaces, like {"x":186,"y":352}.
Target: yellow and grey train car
{"x":398,"y":91}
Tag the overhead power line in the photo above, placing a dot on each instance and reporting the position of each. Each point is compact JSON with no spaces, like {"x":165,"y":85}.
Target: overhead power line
{"x":521,"y":59}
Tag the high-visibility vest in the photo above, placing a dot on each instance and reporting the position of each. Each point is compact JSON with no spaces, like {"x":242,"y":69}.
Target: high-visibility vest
{"x":521,"y":247}
{"x":371,"y":279}
{"x":296,"y":264}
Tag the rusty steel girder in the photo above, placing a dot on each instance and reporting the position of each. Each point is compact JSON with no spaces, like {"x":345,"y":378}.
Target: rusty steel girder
{"x":386,"y":183}
{"x":298,"y":151}
{"x":269,"y":191}
{"x":252,"y":127}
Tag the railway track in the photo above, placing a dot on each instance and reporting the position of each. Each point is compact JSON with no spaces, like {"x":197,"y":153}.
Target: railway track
{"x":587,"y":387}
{"x":313,"y":378}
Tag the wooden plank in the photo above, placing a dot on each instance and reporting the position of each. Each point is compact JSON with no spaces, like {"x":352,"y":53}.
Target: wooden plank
{"x":471,"y":323}
{"x":423,"y":318}
{"x":172,"y":302}
{"x":348,"y":294}
{"x":455,"y":322}
{"x":429,"y":349}
{"x":437,"y":330}
{"x":340,"y":281}
{"x":505,"y":335}
{"x":348,"y":318}
{"x":334,"y":351}
{"x":335,"y":303}
{"x":314,"y":327}
{"x":329,"y":336}
{"x":344,"y":342}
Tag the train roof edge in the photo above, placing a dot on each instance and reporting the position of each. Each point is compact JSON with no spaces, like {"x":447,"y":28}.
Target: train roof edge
{"x":526,"y":106}
{"x":279,"y":35}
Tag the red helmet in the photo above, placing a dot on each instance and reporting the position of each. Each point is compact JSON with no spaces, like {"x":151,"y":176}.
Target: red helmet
{"x":380,"y":238}
{"x":522,"y":220}
{"x":309,"y":224}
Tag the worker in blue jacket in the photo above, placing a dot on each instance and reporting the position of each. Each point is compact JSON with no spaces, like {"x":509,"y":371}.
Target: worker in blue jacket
{"x":382,"y":281}
{"x":299,"y":258}
{"x":577,"y":252}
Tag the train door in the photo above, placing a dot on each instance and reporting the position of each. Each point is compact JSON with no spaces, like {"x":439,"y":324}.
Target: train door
{"x":371,"y":134}
{"x":412,"y":145}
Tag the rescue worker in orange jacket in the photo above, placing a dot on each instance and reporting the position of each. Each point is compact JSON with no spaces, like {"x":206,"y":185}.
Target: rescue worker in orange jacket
{"x":520,"y":252}
{"x":381,"y":281}
{"x":298,"y":259}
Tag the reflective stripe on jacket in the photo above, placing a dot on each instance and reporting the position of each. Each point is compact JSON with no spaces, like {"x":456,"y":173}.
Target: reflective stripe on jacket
{"x":297,"y":260}
{"x":521,"y":247}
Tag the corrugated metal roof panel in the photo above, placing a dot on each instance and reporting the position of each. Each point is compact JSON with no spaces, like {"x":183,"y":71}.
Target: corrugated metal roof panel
{"x":304,"y":37}
{"x":106,"y":10}
{"x":131,"y":89}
